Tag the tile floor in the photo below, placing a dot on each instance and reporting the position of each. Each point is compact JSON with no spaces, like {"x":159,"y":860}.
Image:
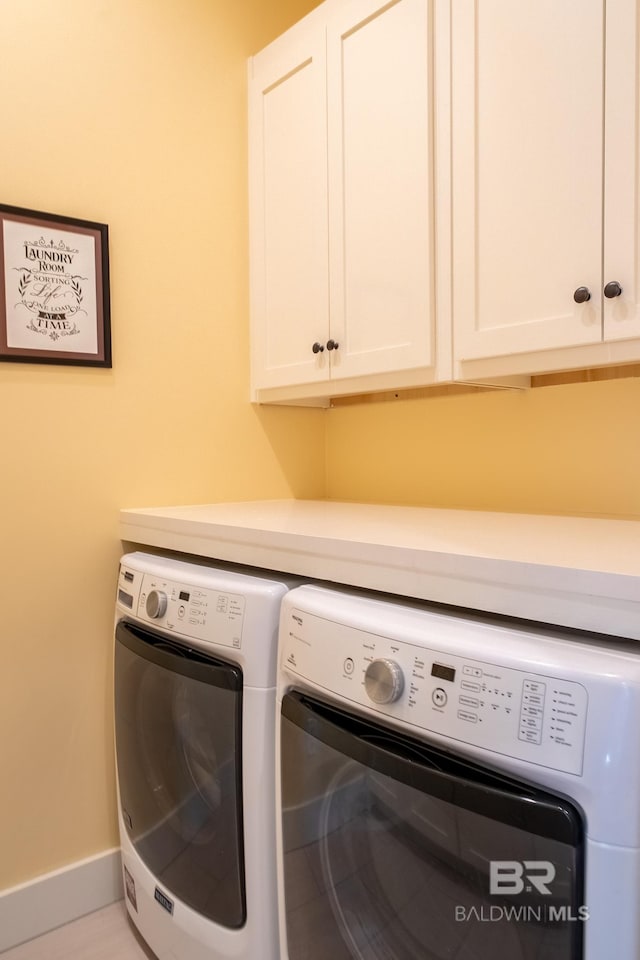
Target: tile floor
{"x":106,"y":934}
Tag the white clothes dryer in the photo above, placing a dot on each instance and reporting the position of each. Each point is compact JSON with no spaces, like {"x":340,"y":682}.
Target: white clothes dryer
{"x":451,"y":786}
{"x":195,"y":649}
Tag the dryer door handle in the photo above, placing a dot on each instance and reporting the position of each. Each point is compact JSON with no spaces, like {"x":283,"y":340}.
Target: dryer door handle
{"x":434,"y":772}
{"x":183,"y":660}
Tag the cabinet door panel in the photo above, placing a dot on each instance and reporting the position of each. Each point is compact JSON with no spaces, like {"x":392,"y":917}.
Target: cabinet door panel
{"x":289,"y":245}
{"x":527,"y":89}
{"x":379,"y":65}
{"x":622,"y":171}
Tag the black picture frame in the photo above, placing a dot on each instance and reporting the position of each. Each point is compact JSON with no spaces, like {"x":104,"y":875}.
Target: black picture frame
{"x":54,"y":289}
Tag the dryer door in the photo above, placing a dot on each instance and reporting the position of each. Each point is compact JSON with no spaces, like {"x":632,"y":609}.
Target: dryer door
{"x":178,"y":748}
{"x":396,"y":850}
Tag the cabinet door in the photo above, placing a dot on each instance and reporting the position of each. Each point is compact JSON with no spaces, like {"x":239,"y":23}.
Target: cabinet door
{"x":379,"y":82}
{"x":288,"y":208}
{"x":622,"y":171}
{"x":527,"y":142}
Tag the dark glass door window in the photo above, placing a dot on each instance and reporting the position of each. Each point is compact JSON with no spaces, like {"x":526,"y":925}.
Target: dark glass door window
{"x":389,"y":845}
{"x":178,"y":742}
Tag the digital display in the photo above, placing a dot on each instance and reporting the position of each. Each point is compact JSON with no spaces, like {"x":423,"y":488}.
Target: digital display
{"x":184,"y":595}
{"x":442,"y":672}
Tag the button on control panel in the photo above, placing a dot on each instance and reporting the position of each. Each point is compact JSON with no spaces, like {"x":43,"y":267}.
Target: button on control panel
{"x":532,"y":711}
{"x":533,"y":717}
{"x":439,"y":697}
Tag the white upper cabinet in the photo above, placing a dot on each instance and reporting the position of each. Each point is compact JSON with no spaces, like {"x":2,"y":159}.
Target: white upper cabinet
{"x":622,"y":173}
{"x":379,"y":69}
{"x":342,"y":203}
{"x":544,"y":184}
{"x":444,"y":190}
{"x":288,"y":208}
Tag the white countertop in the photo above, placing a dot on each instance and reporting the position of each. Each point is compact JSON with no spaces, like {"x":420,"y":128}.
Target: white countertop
{"x":575,"y":572}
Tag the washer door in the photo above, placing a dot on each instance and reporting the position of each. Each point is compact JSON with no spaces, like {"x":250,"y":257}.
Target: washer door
{"x":394,"y":850}
{"x":178,"y":747}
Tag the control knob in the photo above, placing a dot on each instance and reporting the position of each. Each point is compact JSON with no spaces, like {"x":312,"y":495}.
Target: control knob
{"x":156,"y":604}
{"x":383,"y":681}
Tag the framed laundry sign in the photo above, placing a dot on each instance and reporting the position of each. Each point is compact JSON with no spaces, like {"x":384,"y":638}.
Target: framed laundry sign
{"x":54,"y":289}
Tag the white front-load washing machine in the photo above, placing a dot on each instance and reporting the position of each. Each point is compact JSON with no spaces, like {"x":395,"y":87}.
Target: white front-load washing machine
{"x":195,"y":649}
{"x":451,"y":786}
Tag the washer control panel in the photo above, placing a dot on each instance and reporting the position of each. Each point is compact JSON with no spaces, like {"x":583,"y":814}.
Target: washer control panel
{"x":533,"y":717}
{"x":197,"y":613}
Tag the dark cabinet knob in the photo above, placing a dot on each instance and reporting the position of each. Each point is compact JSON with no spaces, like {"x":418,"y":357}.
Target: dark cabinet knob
{"x":317,"y":348}
{"x":332,"y":345}
{"x":612,"y":289}
{"x":582,"y":295}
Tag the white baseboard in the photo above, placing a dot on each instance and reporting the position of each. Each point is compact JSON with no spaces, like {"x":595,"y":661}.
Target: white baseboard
{"x":48,"y":901}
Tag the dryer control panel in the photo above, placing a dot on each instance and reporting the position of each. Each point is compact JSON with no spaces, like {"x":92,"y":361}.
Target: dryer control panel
{"x":534,"y":717}
{"x":195,"y":612}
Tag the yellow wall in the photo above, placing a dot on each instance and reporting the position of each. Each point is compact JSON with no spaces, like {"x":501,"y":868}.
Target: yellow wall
{"x":132,"y":114}
{"x":557,"y":449}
